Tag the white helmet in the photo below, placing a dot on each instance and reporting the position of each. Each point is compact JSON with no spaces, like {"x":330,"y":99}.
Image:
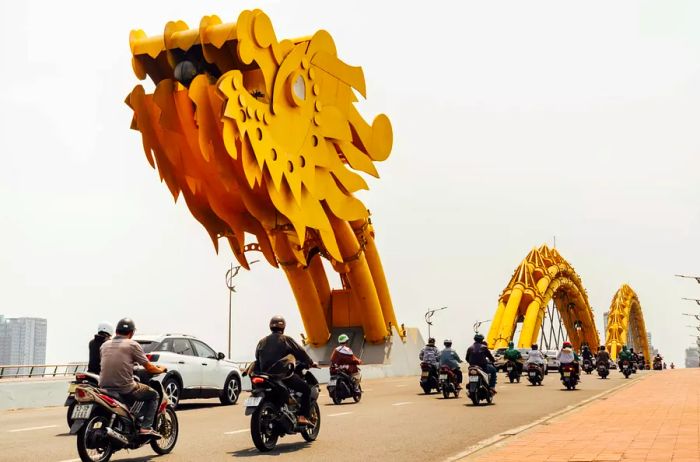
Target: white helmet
{"x":106,"y":328}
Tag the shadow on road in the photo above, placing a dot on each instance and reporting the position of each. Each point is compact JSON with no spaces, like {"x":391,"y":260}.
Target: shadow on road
{"x":278,"y":451}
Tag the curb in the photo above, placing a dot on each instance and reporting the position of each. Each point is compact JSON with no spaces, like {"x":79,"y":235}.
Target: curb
{"x":483,"y":444}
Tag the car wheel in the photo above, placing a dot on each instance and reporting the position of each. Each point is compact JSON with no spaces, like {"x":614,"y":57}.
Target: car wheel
{"x":231,"y":391}
{"x":173,"y":391}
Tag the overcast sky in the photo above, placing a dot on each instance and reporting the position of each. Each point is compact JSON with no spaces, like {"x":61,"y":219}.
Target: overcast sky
{"x":513,"y":122}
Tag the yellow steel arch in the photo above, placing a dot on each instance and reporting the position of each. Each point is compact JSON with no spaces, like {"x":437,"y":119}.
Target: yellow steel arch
{"x":542,"y":276}
{"x":626,"y":324}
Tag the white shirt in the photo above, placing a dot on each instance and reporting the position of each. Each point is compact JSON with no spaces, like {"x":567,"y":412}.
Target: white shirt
{"x":535,"y":357}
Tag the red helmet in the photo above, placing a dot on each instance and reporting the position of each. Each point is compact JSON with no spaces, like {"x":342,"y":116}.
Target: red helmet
{"x":567,"y":344}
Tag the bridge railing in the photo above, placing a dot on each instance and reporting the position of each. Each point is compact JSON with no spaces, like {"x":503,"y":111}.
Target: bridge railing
{"x":40,"y":370}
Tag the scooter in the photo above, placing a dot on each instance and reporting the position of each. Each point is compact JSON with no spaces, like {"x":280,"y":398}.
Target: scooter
{"x":429,"y":378}
{"x":448,"y":382}
{"x":534,"y":374}
{"x":569,"y":376}
{"x":341,"y":386}
{"x":626,"y":369}
{"x":512,"y":371}
{"x":479,"y":386}
{"x":603,"y":371}
{"x":587,"y":366}
{"x":80,"y":377}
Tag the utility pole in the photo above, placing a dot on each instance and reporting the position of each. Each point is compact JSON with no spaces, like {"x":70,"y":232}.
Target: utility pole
{"x":230,"y":274}
{"x":429,"y":317}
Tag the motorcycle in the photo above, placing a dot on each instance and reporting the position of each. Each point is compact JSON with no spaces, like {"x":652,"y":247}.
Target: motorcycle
{"x":479,"y":386}
{"x":448,"y":382}
{"x":80,"y":377}
{"x":603,"y":371}
{"x":534,"y":374}
{"x":341,"y":386}
{"x":274,"y":409}
{"x":569,"y":376}
{"x":658,"y":366}
{"x":429,"y":378}
{"x":626,"y":369}
{"x":104,"y":424}
{"x":587,"y":366}
{"x":512,"y":371}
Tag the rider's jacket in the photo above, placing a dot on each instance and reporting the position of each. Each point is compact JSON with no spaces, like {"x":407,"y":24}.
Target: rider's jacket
{"x":272,"y":355}
{"x":625,"y":355}
{"x":118,"y":358}
{"x":603,"y":357}
{"x":449,"y":358}
{"x":587,"y":354}
{"x":512,"y":354}
{"x":344,"y":358}
{"x":535,"y":357}
{"x":567,"y":356}
{"x":429,"y":354}
{"x":95,"y":358}
{"x":479,"y":355}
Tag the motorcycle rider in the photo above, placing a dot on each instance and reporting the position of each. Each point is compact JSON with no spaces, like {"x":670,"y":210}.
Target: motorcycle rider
{"x":511,"y":354}
{"x":625,"y":355}
{"x":567,"y":355}
{"x":343,"y":358}
{"x":479,"y":355}
{"x":275,"y":353}
{"x":658,"y":359}
{"x":118,"y":358}
{"x":603,"y":357}
{"x":104,"y":333}
{"x":586,"y":354}
{"x":536,"y":357}
{"x":450,"y":358}
{"x":430,"y":353}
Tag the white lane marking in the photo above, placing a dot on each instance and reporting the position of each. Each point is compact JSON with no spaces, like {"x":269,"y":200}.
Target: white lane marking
{"x":31,"y":428}
{"x":236,"y":431}
{"x":339,"y":414}
{"x":402,"y":403}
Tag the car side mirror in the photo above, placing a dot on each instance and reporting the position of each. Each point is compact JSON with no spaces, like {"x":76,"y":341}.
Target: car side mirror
{"x":220,"y":356}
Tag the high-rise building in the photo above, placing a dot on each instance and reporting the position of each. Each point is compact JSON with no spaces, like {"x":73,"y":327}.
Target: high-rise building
{"x":605,"y":324}
{"x":22,"y":340}
{"x":692,"y":357}
{"x":652,"y":351}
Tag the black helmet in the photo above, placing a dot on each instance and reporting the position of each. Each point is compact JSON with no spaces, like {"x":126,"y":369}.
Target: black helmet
{"x":125,"y":326}
{"x":447,"y":342}
{"x":602,"y":348}
{"x":478,"y":338}
{"x":431,"y":341}
{"x":277,"y":324}
{"x":534,"y":346}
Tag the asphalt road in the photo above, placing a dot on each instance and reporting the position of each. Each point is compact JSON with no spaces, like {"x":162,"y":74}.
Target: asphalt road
{"x":394,"y":419}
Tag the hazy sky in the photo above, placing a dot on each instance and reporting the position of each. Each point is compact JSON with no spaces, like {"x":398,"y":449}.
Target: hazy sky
{"x":513,"y":122}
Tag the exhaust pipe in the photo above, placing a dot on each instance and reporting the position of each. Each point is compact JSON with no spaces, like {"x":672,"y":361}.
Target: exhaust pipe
{"x":115,"y":435}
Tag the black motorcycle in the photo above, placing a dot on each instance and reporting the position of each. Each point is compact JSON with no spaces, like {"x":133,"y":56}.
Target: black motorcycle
{"x":448,"y":382}
{"x":274,"y":409}
{"x":603,"y":371}
{"x":429,"y":378}
{"x":341,"y":386}
{"x":512,"y":371}
{"x":84,"y":378}
{"x":534,"y":374}
{"x":479,"y":386}
{"x":587,"y":366}
{"x":569,"y":376}
{"x":626,"y":368}
{"x":658,"y":366}
{"x":105,"y":424}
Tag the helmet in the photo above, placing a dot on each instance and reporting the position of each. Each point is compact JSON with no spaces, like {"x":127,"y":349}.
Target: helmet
{"x":431,"y":341}
{"x":602,"y":348}
{"x":277,"y":324}
{"x":447,"y":342}
{"x":624,"y":347}
{"x":511,"y":344}
{"x":566,"y":345}
{"x":478,"y":338}
{"x":105,"y":327}
{"x":534,"y":346}
{"x":125,"y":326}
{"x":342,"y":338}
{"x":585,"y":347}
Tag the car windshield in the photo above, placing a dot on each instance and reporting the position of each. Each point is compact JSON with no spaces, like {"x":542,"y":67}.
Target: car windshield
{"x":147,"y":345}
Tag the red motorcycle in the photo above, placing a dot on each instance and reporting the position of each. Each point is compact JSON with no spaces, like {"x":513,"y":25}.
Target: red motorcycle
{"x":448,"y":382}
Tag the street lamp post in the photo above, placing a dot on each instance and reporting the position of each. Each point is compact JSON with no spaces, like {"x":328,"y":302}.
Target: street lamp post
{"x":429,"y":317}
{"x":230,"y":274}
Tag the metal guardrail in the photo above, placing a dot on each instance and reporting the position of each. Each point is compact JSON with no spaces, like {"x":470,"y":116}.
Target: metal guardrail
{"x":40,"y":370}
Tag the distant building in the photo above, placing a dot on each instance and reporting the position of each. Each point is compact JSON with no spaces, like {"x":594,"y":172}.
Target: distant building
{"x":605,"y":324}
{"x":692,"y":357}
{"x":22,"y":340}
{"x":652,"y":351}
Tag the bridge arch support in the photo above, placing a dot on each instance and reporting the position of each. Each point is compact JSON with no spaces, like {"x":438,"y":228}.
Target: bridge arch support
{"x":543,"y":276}
{"x":625,"y":324}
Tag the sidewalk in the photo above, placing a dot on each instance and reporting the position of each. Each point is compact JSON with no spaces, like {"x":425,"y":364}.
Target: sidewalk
{"x":654,"y":419}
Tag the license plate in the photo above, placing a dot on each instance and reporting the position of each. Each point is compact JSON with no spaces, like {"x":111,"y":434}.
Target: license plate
{"x":473,"y":378}
{"x":424,"y":374}
{"x":332,"y":382}
{"x":443,"y":376}
{"x":533,"y":374}
{"x":71,"y":387}
{"x":253,"y":401}
{"x":567,"y":374}
{"x":82,"y":411}
{"x":510,"y":369}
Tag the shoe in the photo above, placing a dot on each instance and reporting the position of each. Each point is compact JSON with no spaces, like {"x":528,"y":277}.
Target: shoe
{"x":150,"y":432}
{"x":493,"y":391}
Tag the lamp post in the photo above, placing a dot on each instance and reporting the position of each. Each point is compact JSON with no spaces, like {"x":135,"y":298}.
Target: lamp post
{"x":429,"y":317}
{"x":230,"y":274}
{"x":478,"y":324}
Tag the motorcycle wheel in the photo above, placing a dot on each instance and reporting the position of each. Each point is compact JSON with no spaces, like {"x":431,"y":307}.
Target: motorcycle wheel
{"x":445,"y":392}
{"x":474,"y":398}
{"x":336,"y":399}
{"x":456,"y":393}
{"x":426,"y":389}
{"x":69,"y":414}
{"x":264,"y":437}
{"x":357,"y":396}
{"x":568,"y":386}
{"x":511,"y":379}
{"x":489,"y":397}
{"x":168,"y":426}
{"x":93,"y":454}
{"x":311,"y":433}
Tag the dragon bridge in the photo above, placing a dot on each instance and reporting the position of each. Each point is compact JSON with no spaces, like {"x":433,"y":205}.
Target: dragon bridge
{"x":626,"y":324}
{"x":262,"y":137}
{"x":543,"y":276}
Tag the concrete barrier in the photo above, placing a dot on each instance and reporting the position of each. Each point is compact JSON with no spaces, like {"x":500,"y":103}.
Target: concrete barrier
{"x":18,"y":394}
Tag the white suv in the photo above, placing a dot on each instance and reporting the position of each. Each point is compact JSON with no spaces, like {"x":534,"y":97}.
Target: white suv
{"x":195,"y":370}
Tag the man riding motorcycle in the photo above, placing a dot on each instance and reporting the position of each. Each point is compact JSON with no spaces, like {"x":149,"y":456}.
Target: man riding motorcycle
{"x":567,"y":355}
{"x":450,"y":358}
{"x":430,"y":353}
{"x":511,"y":354}
{"x":118,"y":358}
{"x":536,"y":357}
{"x":603,"y":357}
{"x":273,"y":355}
{"x":343,"y":358}
{"x":479,"y":355}
{"x":586,"y":353}
{"x":625,"y":355}
{"x":104,"y":333}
